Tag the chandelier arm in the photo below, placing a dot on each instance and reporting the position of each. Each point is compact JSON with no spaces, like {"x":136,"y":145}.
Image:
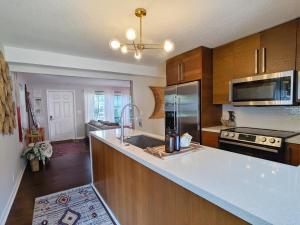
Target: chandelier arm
{"x":141,"y":30}
{"x":153,"y":48}
{"x":135,"y":47}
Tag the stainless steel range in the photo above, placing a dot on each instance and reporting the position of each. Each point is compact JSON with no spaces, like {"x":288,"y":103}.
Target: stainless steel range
{"x":261,"y":143}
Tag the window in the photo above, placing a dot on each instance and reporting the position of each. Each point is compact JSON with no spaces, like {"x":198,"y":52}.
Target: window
{"x":99,"y":105}
{"x":117,"y":107}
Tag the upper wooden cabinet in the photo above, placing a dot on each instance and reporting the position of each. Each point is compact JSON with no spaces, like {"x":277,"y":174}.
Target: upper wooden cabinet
{"x":223,"y":71}
{"x":272,"y":50}
{"x":278,"y":48}
{"x":185,"y":67}
{"x":245,"y":55}
{"x":298,"y":47}
{"x":173,"y":70}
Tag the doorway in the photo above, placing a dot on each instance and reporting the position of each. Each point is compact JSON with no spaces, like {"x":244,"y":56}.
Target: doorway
{"x":61,"y":114}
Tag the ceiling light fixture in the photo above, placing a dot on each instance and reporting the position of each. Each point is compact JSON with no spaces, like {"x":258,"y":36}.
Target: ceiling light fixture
{"x":139,"y":46}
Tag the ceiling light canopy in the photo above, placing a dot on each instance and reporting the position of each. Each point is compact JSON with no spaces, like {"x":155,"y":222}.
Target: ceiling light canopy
{"x":139,"y":46}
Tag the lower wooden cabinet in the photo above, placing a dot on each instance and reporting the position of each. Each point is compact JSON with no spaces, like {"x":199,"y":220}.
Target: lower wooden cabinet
{"x":293,"y":154}
{"x":210,"y":139}
{"x":139,"y":196}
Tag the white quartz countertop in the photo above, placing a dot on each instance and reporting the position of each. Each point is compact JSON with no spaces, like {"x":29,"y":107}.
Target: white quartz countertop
{"x":217,"y":129}
{"x":256,"y":190}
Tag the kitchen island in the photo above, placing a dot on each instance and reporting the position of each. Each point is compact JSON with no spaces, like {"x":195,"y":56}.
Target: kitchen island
{"x":208,"y":186}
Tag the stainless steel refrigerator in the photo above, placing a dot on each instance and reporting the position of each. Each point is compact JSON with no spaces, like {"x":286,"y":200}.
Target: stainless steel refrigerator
{"x":182,"y":109}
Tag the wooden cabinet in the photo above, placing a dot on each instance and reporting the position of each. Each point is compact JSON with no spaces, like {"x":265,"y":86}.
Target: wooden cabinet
{"x":223,"y":71}
{"x":173,"y":70}
{"x":139,"y":196}
{"x":293,"y":154}
{"x":185,"y":67}
{"x":272,"y":50}
{"x":278,"y":48}
{"x":298,"y":47}
{"x":191,"y":66}
{"x":210,"y":139}
{"x":245,"y":55}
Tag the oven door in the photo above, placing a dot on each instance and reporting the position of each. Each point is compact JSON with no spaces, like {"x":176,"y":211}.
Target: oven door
{"x":268,"y":89}
{"x":276,"y":155}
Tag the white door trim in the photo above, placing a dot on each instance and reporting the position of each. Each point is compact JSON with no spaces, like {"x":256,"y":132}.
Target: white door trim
{"x":74,"y":114}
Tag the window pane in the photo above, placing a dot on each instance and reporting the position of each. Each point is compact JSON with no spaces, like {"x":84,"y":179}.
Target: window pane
{"x":117,"y":107}
{"x":99,"y":106}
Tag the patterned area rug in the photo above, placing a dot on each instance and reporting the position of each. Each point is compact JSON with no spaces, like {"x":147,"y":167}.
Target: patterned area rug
{"x":74,"y":206}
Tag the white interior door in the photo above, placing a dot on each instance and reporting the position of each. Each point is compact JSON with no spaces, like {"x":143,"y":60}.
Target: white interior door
{"x":61,"y":115}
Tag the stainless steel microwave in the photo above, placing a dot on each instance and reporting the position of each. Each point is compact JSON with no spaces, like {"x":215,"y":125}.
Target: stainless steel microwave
{"x":281,"y":88}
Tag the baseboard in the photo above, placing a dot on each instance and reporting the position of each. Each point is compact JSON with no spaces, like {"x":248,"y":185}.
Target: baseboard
{"x":12,"y":197}
{"x":80,"y":138}
{"x":106,"y":206}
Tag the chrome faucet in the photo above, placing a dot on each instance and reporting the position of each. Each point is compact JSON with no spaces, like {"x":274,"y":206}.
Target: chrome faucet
{"x":122,"y":119}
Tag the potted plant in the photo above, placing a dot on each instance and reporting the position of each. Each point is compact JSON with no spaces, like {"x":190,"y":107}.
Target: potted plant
{"x":36,"y":152}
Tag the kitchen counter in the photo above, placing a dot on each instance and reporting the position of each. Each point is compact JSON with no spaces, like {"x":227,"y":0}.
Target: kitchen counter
{"x":256,"y":190}
{"x":294,"y":140}
{"x":217,"y":129}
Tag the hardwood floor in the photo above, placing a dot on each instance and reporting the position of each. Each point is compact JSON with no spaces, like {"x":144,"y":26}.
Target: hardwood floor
{"x":63,"y":172}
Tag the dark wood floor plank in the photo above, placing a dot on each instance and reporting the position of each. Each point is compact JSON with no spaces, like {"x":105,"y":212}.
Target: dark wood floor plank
{"x":63,"y":172}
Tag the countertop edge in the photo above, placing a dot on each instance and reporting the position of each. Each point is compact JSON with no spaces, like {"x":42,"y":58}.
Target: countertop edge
{"x":248,"y":217}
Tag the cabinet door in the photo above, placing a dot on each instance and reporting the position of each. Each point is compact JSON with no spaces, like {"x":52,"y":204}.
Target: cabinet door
{"x":293,"y":153}
{"x":173,"y":70}
{"x":210,"y":139}
{"x":298,"y":47}
{"x":278,"y":48}
{"x":222,"y":73}
{"x":246,"y":53}
{"x":191,"y":66}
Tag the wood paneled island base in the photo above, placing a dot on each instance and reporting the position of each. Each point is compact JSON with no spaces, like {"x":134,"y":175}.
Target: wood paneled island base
{"x":140,"y":196}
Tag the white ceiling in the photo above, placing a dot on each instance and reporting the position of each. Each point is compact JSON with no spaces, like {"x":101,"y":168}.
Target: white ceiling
{"x":67,"y":80}
{"x":84,"y":28}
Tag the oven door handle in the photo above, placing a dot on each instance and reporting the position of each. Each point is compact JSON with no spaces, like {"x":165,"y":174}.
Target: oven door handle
{"x":250,"y":146}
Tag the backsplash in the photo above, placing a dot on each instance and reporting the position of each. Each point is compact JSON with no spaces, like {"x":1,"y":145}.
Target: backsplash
{"x":277,"y":117}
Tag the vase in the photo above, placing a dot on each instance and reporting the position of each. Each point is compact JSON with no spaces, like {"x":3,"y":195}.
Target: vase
{"x":35,"y":165}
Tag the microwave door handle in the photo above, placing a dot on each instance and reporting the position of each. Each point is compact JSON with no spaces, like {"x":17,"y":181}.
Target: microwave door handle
{"x":230,"y":91}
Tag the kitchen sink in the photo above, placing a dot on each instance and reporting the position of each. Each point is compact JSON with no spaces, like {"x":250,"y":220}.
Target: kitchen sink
{"x":143,"y":141}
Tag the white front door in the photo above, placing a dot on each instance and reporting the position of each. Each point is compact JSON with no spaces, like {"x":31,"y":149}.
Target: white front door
{"x":61,"y":115}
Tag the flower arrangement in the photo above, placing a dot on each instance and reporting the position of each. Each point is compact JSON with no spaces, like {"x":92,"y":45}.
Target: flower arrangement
{"x":36,"y":152}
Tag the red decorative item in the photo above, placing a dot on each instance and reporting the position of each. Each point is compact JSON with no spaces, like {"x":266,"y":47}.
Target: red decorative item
{"x":19,"y":124}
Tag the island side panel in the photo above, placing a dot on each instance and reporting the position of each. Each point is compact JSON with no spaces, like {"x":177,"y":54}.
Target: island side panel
{"x":140,"y":196}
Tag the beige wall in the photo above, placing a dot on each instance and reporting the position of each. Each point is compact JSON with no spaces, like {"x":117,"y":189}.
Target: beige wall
{"x":11,"y":168}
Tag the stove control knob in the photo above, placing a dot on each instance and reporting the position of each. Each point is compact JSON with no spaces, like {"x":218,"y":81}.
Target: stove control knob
{"x":263,"y":139}
{"x":232,"y":134}
{"x":225,"y":133}
{"x":272,"y":140}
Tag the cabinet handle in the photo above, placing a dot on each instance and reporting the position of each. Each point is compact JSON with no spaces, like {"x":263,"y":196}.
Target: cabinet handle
{"x":182,"y":71}
{"x":256,"y":61}
{"x":263,"y":62}
{"x":178,"y":72}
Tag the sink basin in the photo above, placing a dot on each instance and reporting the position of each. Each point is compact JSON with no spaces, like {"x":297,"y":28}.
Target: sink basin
{"x":143,"y":141}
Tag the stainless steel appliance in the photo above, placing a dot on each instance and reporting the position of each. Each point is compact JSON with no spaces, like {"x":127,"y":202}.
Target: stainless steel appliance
{"x":269,"y":89}
{"x":182,"y":109}
{"x":261,"y":143}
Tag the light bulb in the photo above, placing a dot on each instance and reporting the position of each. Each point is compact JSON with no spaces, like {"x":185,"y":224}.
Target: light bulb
{"x":138,"y":55}
{"x":130,"y":34}
{"x":124,"y":49}
{"x":168,"y":46}
{"x":115,"y":44}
